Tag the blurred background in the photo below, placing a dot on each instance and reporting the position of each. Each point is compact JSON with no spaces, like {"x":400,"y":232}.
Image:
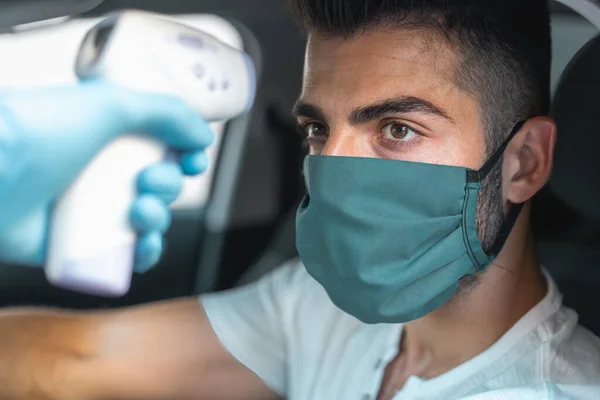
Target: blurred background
{"x":237,"y":221}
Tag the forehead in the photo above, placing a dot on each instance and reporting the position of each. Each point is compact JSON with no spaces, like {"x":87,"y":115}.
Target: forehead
{"x":381,"y":63}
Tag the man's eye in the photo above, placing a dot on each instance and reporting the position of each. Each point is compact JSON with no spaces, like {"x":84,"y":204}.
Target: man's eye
{"x":398,"y":131}
{"x":314,"y":130}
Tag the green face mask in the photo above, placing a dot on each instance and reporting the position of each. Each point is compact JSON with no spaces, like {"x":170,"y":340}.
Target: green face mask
{"x":390,"y":240}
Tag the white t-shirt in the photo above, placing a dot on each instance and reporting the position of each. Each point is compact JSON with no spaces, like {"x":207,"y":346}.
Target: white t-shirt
{"x":286,"y":330}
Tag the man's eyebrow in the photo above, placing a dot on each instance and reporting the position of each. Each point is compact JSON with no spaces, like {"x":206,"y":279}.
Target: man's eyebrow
{"x":401,"y":105}
{"x":306,"y":110}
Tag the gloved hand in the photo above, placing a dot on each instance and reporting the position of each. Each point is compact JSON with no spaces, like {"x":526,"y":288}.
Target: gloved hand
{"x":47,"y":136}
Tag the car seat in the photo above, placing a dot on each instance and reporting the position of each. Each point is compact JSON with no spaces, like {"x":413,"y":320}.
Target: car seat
{"x":567,"y":211}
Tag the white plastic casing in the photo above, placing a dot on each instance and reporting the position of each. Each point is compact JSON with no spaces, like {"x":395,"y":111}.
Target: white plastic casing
{"x":92,"y":245}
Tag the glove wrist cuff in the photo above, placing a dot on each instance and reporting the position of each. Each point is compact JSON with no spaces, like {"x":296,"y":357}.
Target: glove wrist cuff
{"x":7,"y":143}
{"x":12,"y":160}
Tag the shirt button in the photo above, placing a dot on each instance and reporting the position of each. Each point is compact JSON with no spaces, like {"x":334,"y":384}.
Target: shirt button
{"x":378,"y":363}
{"x":366,"y":397}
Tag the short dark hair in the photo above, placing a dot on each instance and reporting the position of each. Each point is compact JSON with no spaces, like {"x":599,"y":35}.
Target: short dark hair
{"x":504,"y":46}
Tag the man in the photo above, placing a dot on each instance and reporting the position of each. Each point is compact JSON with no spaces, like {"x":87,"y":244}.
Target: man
{"x":426,"y":126}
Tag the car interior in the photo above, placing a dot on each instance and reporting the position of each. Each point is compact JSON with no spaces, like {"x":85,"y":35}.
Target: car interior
{"x":236,"y":222}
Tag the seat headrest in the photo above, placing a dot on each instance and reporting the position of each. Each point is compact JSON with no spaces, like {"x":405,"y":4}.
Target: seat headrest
{"x":576,"y":110}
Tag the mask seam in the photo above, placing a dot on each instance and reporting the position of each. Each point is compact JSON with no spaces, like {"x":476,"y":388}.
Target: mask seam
{"x":13,"y":142}
{"x":468,"y":197}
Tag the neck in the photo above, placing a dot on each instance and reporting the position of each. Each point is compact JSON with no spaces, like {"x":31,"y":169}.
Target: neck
{"x":481,"y":312}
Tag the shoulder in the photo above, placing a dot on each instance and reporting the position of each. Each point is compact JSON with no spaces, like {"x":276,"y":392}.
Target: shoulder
{"x":543,"y":391}
{"x":559,"y":359}
{"x":569,"y":357}
{"x":290,"y":283}
{"x":287,"y":294}
{"x":307,"y":317}
{"x":576,"y":353}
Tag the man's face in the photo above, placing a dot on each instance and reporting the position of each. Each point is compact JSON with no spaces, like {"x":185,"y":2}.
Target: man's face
{"x":389,"y":94}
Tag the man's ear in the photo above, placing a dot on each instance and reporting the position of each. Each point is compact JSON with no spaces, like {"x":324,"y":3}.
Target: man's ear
{"x":528,"y":159}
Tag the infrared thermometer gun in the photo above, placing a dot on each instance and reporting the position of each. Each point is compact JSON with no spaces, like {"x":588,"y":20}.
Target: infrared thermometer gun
{"x":91,"y":245}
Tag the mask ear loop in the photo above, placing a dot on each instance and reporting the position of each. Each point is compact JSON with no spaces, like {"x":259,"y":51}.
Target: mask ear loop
{"x":515,"y":210}
{"x":479,"y":176}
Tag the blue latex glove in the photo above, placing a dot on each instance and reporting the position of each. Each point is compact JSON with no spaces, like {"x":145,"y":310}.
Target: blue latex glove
{"x":47,"y":136}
